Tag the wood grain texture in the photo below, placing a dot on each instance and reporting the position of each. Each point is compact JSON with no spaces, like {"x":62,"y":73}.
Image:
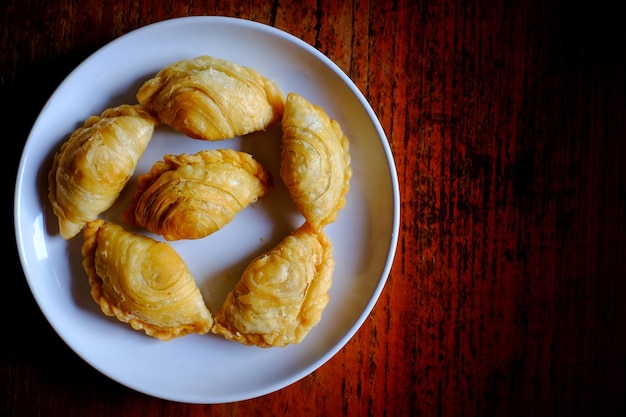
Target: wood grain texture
{"x":507,"y":123}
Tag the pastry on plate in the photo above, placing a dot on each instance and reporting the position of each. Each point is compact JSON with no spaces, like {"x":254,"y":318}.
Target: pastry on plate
{"x":142,"y":282}
{"x":315,"y":161}
{"x":190,"y":196}
{"x":95,"y":163}
{"x":281,"y":294}
{"x":211,"y":98}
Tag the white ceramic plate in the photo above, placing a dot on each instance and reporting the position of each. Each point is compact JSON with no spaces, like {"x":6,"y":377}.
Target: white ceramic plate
{"x":208,"y":369}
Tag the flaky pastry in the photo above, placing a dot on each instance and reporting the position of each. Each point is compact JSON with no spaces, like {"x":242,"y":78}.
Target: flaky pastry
{"x":190,"y":196}
{"x":315,"y":161}
{"x":142,"y":282}
{"x":281,"y":294}
{"x":95,"y":163}
{"x":212,"y":99}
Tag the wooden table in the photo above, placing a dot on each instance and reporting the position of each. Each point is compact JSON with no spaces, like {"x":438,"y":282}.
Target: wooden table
{"x":507,"y":122}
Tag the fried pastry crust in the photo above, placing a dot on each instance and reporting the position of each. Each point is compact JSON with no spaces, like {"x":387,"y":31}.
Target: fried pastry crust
{"x":190,"y":196}
{"x":281,"y":294}
{"x":315,"y":161}
{"x":95,"y":163}
{"x":212,"y":99}
{"x":142,"y":282}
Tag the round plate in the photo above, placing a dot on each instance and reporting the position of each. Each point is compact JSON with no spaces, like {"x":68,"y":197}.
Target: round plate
{"x":207,"y":368}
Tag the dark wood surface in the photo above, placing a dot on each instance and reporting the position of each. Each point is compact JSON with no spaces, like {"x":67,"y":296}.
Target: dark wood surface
{"x":507,"y":122}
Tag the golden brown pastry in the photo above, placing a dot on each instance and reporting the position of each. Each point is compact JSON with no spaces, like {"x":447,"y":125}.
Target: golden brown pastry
{"x":95,"y":163}
{"x":190,"y":196}
{"x":315,"y":161}
{"x":142,"y":282}
{"x":281,"y":294}
{"x":212,"y":99}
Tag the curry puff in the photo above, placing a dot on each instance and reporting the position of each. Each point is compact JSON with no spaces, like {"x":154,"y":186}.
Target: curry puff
{"x":212,"y":99}
{"x":281,"y":294}
{"x":95,"y":163}
{"x":315,"y":161}
{"x":190,"y":196}
{"x":142,"y":282}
